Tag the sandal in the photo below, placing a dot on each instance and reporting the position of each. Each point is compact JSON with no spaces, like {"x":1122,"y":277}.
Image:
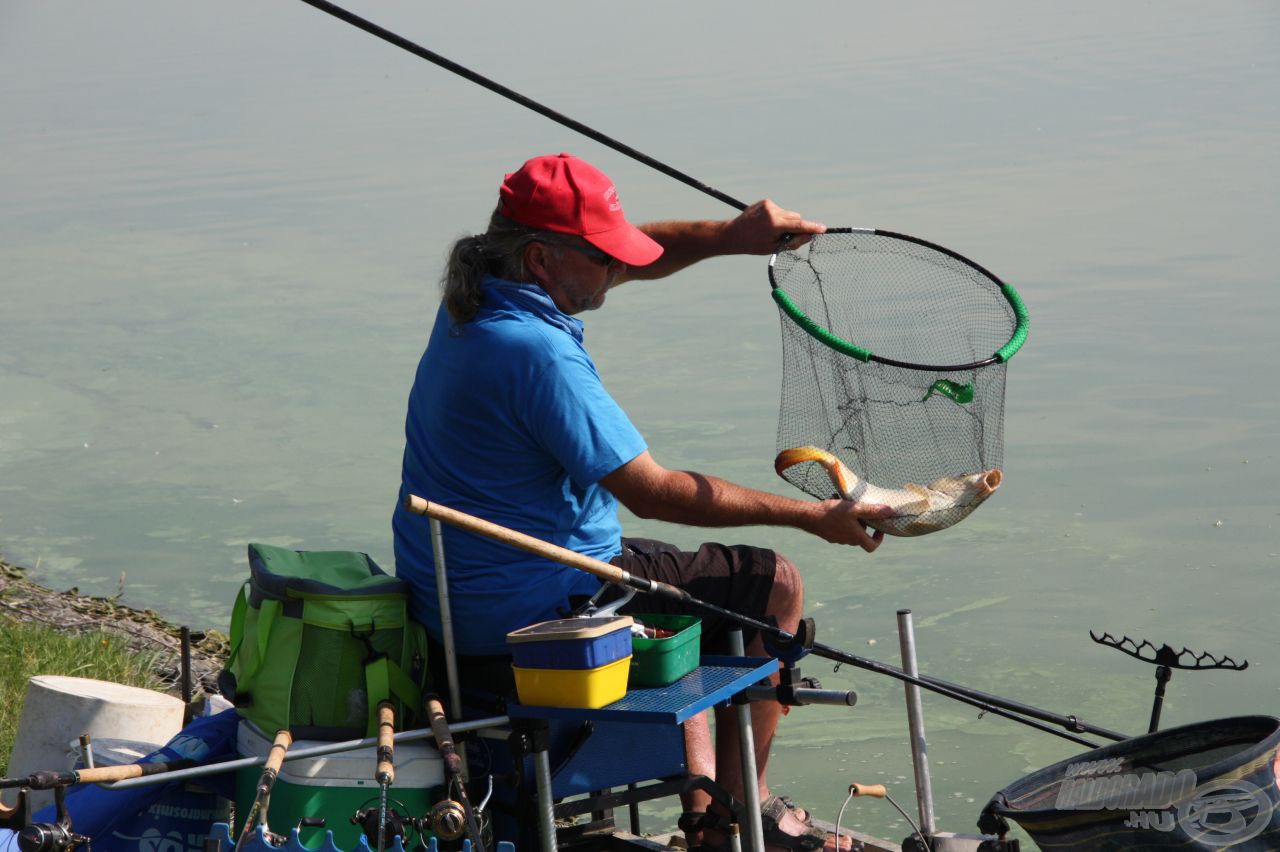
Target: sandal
{"x":772,"y":810}
{"x":695,"y":821}
{"x":795,"y":809}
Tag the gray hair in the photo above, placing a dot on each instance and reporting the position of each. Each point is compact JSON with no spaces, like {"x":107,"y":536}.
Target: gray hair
{"x":499,"y":251}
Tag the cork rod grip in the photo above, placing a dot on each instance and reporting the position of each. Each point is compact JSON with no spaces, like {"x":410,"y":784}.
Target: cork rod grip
{"x":386,"y":770}
{"x":275,"y":759}
{"x":528,"y":543}
{"x":875,"y":790}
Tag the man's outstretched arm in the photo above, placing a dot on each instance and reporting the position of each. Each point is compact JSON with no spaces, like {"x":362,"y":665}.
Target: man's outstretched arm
{"x":652,"y":491}
{"x":757,"y":230}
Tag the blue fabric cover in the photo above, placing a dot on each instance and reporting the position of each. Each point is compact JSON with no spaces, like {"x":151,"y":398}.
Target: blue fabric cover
{"x":508,"y":420}
{"x":97,"y":812}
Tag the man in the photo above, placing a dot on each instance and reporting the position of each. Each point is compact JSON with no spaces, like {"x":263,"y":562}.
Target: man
{"x":508,"y":420}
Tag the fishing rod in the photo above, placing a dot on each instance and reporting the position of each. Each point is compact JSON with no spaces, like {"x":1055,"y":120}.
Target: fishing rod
{"x":384,"y":773}
{"x":994,"y":704}
{"x":258,"y":811}
{"x":51,"y":779}
{"x":440,"y":816}
{"x":510,"y":94}
{"x":225,"y":766}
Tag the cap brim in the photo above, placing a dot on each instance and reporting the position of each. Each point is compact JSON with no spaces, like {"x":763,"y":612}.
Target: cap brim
{"x":628,"y":244}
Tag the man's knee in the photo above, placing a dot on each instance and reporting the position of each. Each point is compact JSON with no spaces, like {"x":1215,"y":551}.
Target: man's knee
{"x":787,"y":594}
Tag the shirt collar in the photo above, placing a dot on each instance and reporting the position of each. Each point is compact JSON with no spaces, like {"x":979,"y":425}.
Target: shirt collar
{"x":500,"y":294}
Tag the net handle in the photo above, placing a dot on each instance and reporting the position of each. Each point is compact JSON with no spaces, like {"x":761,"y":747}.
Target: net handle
{"x":844,"y":347}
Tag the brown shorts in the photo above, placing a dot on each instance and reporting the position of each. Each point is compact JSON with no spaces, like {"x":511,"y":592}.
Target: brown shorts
{"x":737,"y":577}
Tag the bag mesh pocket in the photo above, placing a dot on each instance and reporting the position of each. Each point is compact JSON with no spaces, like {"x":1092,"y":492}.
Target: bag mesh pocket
{"x":330,"y":697}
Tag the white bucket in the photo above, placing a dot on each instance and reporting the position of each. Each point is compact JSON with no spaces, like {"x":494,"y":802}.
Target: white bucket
{"x":59,"y":709}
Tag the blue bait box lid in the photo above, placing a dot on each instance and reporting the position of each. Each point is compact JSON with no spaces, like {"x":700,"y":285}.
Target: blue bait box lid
{"x":571,"y":643}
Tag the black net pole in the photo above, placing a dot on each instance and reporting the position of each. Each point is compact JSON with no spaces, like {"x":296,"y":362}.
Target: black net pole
{"x":1004,"y":707}
{"x":510,"y":94}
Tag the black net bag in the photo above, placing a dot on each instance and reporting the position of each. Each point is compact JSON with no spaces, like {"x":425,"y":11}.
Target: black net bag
{"x":894,"y":360}
{"x":1210,"y":785}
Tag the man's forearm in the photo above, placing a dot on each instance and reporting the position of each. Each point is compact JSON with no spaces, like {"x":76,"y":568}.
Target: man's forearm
{"x":697,"y":499}
{"x":683,"y":244}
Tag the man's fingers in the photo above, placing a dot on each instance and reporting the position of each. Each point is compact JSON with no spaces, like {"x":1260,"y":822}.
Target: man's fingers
{"x":873,"y":541}
{"x":874,"y":510}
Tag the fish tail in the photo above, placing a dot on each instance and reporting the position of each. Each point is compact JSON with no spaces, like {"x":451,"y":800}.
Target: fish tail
{"x":841,"y":477}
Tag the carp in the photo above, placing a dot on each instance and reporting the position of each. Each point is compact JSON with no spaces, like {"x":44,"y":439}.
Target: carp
{"x":920,"y":508}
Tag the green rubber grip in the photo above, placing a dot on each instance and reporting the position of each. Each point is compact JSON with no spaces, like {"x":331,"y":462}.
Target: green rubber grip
{"x":1024,"y":321}
{"x":819,"y":333}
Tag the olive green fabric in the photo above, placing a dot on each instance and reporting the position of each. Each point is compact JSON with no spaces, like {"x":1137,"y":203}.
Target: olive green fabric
{"x":318,"y":639}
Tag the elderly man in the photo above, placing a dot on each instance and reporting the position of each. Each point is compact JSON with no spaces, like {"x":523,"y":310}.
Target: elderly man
{"x":508,"y":420}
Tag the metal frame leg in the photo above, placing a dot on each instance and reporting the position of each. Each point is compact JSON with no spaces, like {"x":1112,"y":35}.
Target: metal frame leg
{"x":915,"y":723}
{"x":546,"y":804}
{"x":747,"y":755}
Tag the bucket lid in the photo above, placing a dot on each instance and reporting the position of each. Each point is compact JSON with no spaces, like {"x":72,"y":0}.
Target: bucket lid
{"x":570,"y":628}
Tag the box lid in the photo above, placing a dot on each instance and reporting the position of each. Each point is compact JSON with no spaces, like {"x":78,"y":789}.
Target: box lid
{"x":570,"y":628}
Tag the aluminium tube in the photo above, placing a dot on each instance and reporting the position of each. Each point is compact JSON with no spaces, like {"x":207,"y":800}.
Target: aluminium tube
{"x":747,"y":754}
{"x":300,"y":754}
{"x":915,"y":724}
{"x":446,"y":636}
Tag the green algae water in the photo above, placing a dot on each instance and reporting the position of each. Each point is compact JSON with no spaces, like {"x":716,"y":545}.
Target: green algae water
{"x":223,"y":224}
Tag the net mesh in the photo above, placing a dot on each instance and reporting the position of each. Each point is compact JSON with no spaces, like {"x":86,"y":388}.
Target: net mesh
{"x":923,"y":440}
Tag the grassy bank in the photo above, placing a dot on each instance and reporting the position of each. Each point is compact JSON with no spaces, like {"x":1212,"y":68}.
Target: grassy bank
{"x":31,"y":649}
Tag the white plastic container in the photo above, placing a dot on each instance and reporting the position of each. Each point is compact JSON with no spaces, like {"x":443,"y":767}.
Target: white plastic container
{"x":59,"y":709}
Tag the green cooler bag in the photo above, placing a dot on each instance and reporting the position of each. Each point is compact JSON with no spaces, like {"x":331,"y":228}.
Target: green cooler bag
{"x":318,"y":639}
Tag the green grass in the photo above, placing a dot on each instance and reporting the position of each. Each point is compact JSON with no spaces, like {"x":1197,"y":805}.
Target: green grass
{"x":27,"y":650}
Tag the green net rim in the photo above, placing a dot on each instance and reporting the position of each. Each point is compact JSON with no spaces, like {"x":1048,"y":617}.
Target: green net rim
{"x":844,"y":347}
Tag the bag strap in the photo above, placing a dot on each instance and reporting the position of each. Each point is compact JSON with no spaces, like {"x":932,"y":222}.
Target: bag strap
{"x":237,"y":620}
{"x":268,"y":612}
{"x":382,"y":677}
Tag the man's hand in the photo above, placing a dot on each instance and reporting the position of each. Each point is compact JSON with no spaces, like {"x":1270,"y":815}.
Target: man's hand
{"x":844,"y":522}
{"x":760,"y":228}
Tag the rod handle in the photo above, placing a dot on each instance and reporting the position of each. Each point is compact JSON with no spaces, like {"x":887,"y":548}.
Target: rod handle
{"x":386,"y":770}
{"x":877,"y":791}
{"x":444,"y":739}
{"x":275,"y":758}
{"x":103,"y":774}
{"x":527,"y":543}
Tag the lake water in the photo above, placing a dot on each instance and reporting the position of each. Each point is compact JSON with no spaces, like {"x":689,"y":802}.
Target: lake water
{"x":223,"y":223}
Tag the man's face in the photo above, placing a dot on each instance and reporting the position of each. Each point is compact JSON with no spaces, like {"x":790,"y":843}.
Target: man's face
{"x":578,"y":274}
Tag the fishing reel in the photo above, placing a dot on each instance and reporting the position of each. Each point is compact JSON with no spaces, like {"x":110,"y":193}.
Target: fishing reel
{"x":50,"y":836}
{"x":398,"y":820}
{"x":447,"y":820}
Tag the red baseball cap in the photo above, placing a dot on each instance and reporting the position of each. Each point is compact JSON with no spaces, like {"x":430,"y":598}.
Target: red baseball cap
{"x":571,"y":196}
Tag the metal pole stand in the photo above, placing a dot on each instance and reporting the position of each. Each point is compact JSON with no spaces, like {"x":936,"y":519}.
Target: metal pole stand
{"x":747,"y":755}
{"x":915,"y":722}
{"x":532,"y":736}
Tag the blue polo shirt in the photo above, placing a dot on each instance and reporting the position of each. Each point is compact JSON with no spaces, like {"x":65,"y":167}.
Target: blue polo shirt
{"x":508,"y":420}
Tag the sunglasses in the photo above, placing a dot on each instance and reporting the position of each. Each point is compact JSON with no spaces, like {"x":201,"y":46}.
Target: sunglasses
{"x":595,"y":255}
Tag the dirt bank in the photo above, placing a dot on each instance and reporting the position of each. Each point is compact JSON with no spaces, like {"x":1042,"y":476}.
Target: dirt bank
{"x":145,"y":631}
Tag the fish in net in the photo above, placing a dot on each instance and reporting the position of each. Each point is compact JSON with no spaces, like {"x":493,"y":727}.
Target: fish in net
{"x":894,"y":359}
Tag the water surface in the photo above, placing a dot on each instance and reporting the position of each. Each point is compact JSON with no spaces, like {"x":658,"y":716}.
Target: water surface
{"x":223,"y":223}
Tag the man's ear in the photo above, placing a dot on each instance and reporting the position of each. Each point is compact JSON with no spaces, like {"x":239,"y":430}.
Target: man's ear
{"x":535,"y":260}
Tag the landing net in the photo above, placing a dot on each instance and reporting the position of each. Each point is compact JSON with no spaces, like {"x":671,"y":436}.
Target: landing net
{"x":894,"y":360}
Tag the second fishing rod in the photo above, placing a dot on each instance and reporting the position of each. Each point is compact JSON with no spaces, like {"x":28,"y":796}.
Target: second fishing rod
{"x":994,"y":704}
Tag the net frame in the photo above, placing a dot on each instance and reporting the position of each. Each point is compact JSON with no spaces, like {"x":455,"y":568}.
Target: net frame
{"x":903,"y":320}
{"x":853,"y":350}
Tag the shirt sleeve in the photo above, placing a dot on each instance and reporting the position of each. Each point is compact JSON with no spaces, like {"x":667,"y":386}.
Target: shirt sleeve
{"x":572,"y":415}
